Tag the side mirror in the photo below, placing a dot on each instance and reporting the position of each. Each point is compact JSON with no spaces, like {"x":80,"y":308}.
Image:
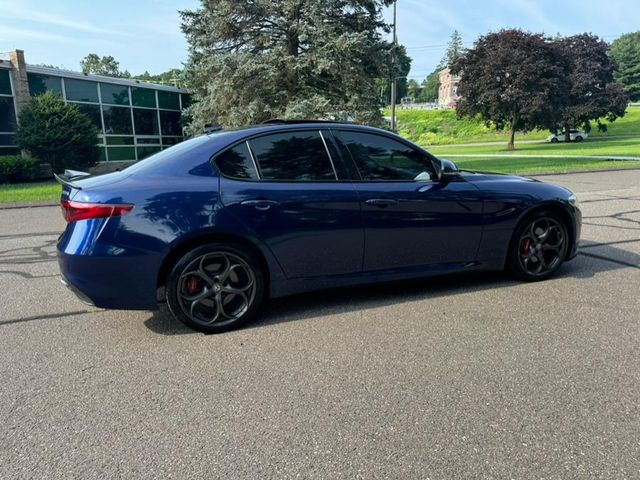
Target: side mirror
{"x":448,"y":170}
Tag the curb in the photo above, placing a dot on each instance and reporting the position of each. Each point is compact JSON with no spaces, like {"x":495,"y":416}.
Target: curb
{"x":15,"y":205}
{"x":602,"y":170}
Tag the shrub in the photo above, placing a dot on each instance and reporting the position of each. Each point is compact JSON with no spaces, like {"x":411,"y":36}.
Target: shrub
{"x":14,"y":168}
{"x":57,"y":133}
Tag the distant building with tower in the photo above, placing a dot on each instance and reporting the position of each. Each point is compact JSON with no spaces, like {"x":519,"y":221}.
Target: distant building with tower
{"x":448,"y":90}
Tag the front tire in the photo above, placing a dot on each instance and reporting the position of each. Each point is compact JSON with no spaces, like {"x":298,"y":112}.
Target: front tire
{"x":215,"y":288}
{"x":554,"y":140}
{"x":539,"y":247}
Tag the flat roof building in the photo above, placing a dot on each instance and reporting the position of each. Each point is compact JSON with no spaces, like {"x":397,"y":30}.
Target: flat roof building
{"x":134,"y":118}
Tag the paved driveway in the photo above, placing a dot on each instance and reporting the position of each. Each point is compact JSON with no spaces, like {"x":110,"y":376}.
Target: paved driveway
{"x":462,"y":377}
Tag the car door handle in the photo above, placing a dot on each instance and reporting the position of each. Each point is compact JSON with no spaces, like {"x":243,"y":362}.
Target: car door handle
{"x":259,"y":204}
{"x":381,"y":202}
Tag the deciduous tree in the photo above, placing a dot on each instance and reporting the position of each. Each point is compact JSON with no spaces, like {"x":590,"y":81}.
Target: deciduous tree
{"x":590,"y":93}
{"x":513,"y":79}
{"x":106,"y":65}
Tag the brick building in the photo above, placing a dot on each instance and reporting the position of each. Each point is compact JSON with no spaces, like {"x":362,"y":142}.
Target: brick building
{"x":448,"y":90}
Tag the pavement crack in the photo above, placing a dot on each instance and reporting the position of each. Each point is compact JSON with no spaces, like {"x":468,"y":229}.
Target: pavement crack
{"x":27,"y":275}
{"x":592,"y":245}
{"x":44,"y":317}
{"x":612,"y":260}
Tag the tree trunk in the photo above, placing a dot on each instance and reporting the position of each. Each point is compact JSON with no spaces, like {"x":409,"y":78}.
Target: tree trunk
{"x":567,"y":134}
{"x":512,"y":133}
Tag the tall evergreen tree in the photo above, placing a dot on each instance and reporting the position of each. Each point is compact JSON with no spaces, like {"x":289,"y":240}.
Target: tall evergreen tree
{"x":401,"y":70}
{"x":455,"y":50}
{"x":254,"y":60}
{"x":625,"y":50}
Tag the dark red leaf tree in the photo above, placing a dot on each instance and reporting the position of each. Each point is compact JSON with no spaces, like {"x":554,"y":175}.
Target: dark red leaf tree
{"x":513,"y":79}
{"x":591,"y":93}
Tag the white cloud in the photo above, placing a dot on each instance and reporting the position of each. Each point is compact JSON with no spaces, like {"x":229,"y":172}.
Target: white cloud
{"x":22,"y":12}
{"x":8,"y":35}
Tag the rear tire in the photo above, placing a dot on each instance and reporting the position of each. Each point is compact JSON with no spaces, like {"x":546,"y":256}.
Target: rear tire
{"x":215,"y":288}
{"x":578,"y":138}
{"x":539,"y":246}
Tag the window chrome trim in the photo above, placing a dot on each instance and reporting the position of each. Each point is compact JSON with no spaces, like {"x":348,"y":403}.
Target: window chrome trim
{"x":253,"y":160}
{"x":326,"y":147}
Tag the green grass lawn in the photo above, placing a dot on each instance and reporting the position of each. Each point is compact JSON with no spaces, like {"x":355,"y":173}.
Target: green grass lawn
{"x":30,"y":192}
{"x":573,"y":156}
{"x":597,"y":146}
{"x":538,"y":165}
{"x":442,"y":127}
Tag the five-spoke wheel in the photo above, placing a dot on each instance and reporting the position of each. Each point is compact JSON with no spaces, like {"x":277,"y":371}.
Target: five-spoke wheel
{"x":540,"y":246}
{"x":215,"y":288}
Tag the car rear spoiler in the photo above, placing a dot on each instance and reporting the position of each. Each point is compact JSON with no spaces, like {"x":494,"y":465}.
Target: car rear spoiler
{"x":69,"y":176}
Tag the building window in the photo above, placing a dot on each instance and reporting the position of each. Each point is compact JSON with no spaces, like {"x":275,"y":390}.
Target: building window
{"x":93,"y":112}
{"x":170,"y":123}
{"x":117,"y":121}
{"x":38,"y":84}
{"x":81,"y":90}
{"x":168,"y":100}
{"x":121,"y":154}
{"x":7,"y":115}
{"x":143,"y":97}
{"x":145,"y":121}
{"x":114,"y":94}
{"x":5,"y":83}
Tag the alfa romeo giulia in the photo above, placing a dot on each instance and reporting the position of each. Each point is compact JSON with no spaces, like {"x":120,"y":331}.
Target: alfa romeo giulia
{"x":221,"y":222}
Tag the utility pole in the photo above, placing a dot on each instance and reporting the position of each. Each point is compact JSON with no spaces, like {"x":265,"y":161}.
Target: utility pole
{"x":393,"y":70}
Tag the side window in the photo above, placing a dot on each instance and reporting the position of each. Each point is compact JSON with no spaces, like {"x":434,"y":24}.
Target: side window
{"x":299,"y":156}
{"x":236,"y":162}
{"x":382,"y":158}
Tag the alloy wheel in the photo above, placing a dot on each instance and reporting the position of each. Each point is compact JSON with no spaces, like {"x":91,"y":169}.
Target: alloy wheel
{"x":542,"y":246}
{"x":216,"y":288}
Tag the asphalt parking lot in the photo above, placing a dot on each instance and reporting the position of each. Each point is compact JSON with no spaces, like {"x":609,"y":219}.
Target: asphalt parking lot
{"x":463,"y":377}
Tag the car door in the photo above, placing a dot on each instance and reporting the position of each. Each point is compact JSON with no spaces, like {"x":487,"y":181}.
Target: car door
{"x":410,"y":217}
{"x":285,"y":187}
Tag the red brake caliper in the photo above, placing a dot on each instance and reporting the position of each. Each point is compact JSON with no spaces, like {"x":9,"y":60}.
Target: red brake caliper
{"x":524,"y":246}
{"x":192,"y":285}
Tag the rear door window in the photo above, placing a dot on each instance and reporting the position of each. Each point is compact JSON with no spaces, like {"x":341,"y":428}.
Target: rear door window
{"x":293,"y":156}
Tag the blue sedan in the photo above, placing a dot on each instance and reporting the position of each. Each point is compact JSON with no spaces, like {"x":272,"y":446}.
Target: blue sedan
{"x":222,"y":222}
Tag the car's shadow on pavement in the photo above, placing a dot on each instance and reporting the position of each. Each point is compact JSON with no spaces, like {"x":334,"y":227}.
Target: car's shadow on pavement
{"x":592,"y":260}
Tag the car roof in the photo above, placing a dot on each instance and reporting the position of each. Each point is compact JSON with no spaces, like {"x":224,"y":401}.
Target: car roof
{"x":273,"y":126}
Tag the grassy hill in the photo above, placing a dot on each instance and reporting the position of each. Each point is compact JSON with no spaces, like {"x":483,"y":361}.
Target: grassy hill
{"x":442,"y":127}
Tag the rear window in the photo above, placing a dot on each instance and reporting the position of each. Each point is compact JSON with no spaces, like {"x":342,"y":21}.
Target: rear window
{"x":293,"y":156}
{"x":166,"y":157}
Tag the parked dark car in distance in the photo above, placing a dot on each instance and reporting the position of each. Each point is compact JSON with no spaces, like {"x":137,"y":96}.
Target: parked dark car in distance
{"x":226,"y":220}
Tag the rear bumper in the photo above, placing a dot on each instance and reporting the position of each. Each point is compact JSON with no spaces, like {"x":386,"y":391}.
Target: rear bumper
{"x":105,"y":273}
{"x":81,"y":296}
{"x":126,"y":283}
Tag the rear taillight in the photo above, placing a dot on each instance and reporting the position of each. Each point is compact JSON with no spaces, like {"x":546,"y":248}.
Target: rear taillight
{"x":75,"y":211}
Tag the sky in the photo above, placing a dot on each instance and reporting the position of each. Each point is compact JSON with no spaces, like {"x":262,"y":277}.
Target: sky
{"x":145,"y":34}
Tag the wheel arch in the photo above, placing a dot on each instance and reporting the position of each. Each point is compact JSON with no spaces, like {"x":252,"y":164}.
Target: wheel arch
{"x":179,"y":249}
{"x":549,"y":206}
